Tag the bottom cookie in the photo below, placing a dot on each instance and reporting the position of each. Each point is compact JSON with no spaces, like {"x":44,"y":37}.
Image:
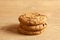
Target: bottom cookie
{"x":20,"y":30}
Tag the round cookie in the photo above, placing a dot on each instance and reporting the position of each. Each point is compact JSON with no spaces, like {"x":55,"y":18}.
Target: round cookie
{"x":20,"y":30}
{"x":32,"y":19}
{"x":33,"y":28}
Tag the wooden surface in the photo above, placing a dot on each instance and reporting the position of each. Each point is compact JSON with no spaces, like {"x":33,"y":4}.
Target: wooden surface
{"x":11,"y":9}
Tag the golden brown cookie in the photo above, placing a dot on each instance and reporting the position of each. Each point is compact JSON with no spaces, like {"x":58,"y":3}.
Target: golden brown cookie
{"x":33,"y":28}
{"x":32,"y":19}
{"x":20,"y":30}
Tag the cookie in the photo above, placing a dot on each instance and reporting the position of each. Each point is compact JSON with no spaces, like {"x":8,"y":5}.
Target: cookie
{"x":32,"y":19}
{"x":33,"y":28}
{"x":22,"y":31}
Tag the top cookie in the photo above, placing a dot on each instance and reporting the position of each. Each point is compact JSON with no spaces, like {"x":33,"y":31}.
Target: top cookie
{"x":32,"y":19}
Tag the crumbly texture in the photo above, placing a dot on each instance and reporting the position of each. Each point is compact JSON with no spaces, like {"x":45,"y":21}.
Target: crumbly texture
{"x":33,"y":28}
{"x":32,"y":19}
{"x":32,"y":24}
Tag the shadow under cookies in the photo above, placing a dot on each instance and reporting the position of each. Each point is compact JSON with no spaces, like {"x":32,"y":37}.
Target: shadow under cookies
{"x":12,"y":28}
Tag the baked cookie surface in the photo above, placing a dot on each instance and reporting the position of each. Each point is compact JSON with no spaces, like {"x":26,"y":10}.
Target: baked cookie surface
{"x":20,"y":30}
{"x":32,"y":19}
{"x":33,"y":28}
{"x":32,"y":23}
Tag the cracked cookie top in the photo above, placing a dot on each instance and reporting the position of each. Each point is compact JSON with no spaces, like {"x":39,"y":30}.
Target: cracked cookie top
{"x":32,"y":19}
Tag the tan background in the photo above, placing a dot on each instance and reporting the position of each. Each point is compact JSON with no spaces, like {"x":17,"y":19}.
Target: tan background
{"x":11,"y":9}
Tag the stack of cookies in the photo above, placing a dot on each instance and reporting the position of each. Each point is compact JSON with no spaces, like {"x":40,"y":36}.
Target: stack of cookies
{"x":32,"y":23}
